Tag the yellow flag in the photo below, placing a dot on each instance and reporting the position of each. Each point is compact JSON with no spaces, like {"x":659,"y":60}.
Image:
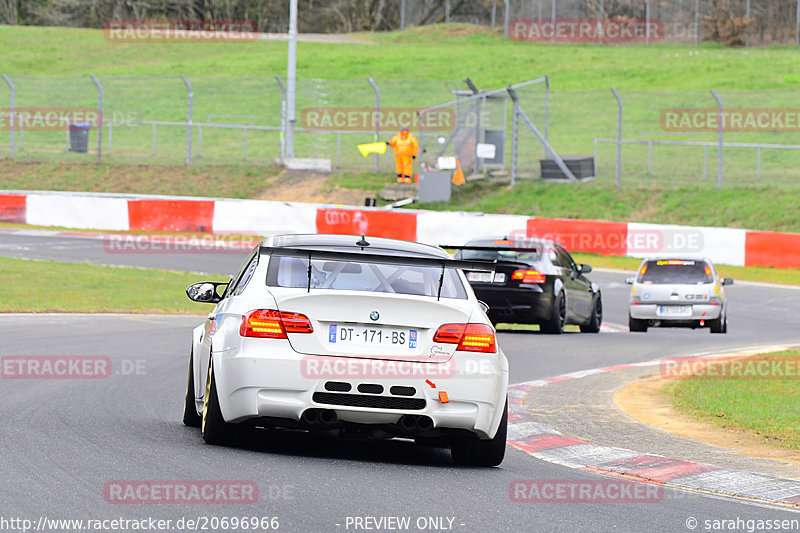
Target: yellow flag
{"x":372,"y":148}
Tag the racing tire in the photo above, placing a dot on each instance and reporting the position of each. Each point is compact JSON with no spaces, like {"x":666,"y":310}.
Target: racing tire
{"x":719,"y":325}
{"x":555,"y":324}
{"x":214,"y":428}
{"x":593,"y":326}
{"x":636,"y":325}
{"x":472,"y":451}
{"x":190,"y":416}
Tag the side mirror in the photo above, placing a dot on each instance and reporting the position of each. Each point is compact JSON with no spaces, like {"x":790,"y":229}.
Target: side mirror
{"x":585,"y":269}
{"x":205,"y":292}
{"x":727,"y":281}
{"x":630,"y":281}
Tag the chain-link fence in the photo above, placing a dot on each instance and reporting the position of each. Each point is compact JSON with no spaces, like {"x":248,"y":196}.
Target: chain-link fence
{"x":661,"y":137}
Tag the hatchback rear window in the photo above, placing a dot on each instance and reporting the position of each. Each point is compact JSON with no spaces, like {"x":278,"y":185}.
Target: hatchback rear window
{"x":363,"y":276}
{"x":530,"y":255}
{"x":675,"y":272}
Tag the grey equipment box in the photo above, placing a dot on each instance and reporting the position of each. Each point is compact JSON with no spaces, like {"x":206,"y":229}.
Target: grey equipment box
{"x":434,"y":186}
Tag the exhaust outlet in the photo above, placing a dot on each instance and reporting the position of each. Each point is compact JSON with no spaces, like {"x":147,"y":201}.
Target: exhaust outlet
{"x":310,"y":416}
{"x":424,"y":423}
{"x":408,"y":423}
{"x":328,"y":417}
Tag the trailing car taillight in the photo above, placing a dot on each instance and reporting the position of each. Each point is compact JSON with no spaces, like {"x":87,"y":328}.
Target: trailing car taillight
{"x":469,"y":337}
{"x":272,"y":324}
{"x":528,"y":276}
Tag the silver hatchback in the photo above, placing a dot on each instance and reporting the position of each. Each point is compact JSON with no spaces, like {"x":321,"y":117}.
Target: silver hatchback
{"x":673,"y":292}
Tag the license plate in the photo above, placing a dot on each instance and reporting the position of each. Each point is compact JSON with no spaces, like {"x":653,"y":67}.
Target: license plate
{"x":674,"y":310}
{"x":344,"y":334}
{"x":486,"y":277}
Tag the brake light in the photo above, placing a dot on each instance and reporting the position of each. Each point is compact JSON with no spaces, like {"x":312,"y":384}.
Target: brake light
{"x":469,"y":337}
{"x":708,"y":270}
{"x":528,"y":276}
{"x":504,"y":241}
{"x":272,"y":324}
{"x":643,"y":270}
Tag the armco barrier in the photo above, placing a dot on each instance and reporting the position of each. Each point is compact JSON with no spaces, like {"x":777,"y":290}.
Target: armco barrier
{"x":97,"y":211}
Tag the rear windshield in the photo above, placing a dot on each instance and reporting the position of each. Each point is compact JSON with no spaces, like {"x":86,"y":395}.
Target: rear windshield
{"x":531,"y":255}
{"x":367,"y":277}
{"x":675,"y":271}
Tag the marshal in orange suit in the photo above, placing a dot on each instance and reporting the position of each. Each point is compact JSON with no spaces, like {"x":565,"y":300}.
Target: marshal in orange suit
{"x":405,"y":148}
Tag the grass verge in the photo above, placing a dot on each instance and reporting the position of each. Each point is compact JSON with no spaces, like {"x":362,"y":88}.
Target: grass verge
{"x":49,"y":286}
{"x":767,"y":407}
{"x":759,"y":274}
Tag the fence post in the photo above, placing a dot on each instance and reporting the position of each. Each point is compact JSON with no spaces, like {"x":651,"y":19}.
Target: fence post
{"x":514,"y":140}
{"x":100,"y":117}
{"x":547,"y":108}
{"x":697,"y":22}
{"x":647,"y":22}
{"x":747,"y":16}
{"x":720,"y":130}
{"x":601,"y":20}
{"x":377,"y":121}
{"x":403,"y":15}
{"x":447,"y":11}
{"x":797,"y":23}
{"x":617,"y":178}
{"x":283,"y":117}
{"x":494,"y":12}
{"x":190,"y":96}
{"x":553,"y":18}
{"x":506,"y":17}
{"x":12,"y":117}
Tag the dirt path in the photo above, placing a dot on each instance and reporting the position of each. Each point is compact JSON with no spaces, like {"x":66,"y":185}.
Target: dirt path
{"x":644,"y":401}
{"x":296,"y":186}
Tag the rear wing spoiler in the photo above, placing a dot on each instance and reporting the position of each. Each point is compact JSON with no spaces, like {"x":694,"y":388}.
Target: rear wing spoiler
{"x":379,"y":258}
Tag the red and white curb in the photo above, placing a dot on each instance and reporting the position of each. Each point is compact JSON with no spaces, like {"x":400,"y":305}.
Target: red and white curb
{"x":527,"y":433}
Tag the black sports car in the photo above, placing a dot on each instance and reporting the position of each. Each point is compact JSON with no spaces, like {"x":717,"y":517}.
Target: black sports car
{"x":536,"y":282}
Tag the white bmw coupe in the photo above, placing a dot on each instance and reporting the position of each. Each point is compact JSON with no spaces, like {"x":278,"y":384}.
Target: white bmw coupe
{"x":359,"y":338}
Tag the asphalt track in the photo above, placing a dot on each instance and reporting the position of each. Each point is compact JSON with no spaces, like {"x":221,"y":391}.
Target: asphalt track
{"x":63,"y":440}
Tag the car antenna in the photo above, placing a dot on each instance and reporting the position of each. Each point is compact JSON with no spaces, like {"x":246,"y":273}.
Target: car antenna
{"x":363,"y":242}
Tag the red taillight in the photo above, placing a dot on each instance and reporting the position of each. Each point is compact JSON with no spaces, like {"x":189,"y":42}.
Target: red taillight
{"x":643,"y":270}
{"x":708,"y":270}
{"x":469,"y":337}
{"x":272,"y":324}
{"x":528,"y":276}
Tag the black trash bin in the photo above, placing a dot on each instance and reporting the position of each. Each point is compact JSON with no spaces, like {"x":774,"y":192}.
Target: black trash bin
{"x":79,"y":137}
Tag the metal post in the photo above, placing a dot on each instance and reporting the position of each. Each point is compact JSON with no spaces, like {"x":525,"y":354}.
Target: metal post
{"x":291,"y":78}
{"x":100,"y":116}
{"x":403,"y":14}
{"x":601,"y":20}
{"x":547,"y":107}
{"x":13,"y":117}
{"x":553,"y":18}
{"x":190,"y":102}
{"x":447,"y":11}
{"x":110,"y":127}
{"x":647,"y":22}
{"x":797,"y":23}
{"x":697,"y":21}
{"x":283,"y":117}
{"x":705,"y":161}
{"x":154,"y":139}
{"x":199,"y":141}
{"x":758,"y":163}
{"x":514,"y":140}
{"x":494,"y":12}
{"x":649,"y":156}
{"x":747,"y":16}
{"x":339,"y":150}
{"x":506,"y":17}
{"x":377,"y":92}
{"x":720,"y":130}
{"x":617,"y":179}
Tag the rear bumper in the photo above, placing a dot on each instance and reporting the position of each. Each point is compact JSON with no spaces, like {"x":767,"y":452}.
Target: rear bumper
{"x":699,"y":312}
{"x":527,"y":305}
{"x":269,"y":379}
